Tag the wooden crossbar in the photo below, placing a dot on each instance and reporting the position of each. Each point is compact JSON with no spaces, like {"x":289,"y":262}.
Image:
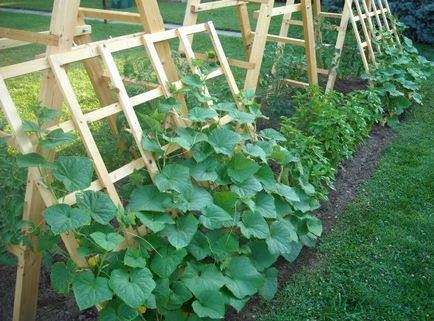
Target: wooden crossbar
{"x":110,"y":15}
{"x":43,"y":38}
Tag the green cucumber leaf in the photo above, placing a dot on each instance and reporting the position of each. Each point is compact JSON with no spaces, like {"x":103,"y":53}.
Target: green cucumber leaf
{"x":90,"y":291}
{"x":98,"y":204}
{"x":62,"y":218}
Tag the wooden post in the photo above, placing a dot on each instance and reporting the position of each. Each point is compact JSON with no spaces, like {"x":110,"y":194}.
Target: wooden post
{"x":309,"y":38}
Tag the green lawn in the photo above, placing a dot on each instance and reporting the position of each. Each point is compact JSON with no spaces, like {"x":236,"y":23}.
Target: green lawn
{"x":225,"y":18}
{"x":377,"y":263}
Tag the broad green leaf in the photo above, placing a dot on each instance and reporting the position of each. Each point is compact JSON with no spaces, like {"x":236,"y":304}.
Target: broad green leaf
{"x":268,"y":291}
{"x":63,"y":218}
{"x":62,"y":275}
{"x":47,"y":115}
{"x":314,"y":225}
{"x":214,"y":217}
{"x":209,"y":303}
{"x":57,"y":138}
{"x":199,"y":114}
{"x":261,"y":256}
{"x":282,"y":233}
{"x":223,"y":245}
{"x":241,"y":168}
{"x":181,"y":234}
{"x":198,"y":198}
{"x":200,"y":278}
{"x":135,"y":258}
{"x":107,"y":241}
{"x":33,"y":160}
{"x":169,"y":104}
{"x":74,"y":172}
{"x":174,"y":177}
{"x":254,"y":225}
{"x":186,"y":138}
{"x":248,"y":188}
{"x":242,"y":117}
{"x":265,"y":205}
{"x":193,"y":81}
{"x":133,"y":287}
{"x":226,"y":200}
{"x":272,"y":134}
{"x":98,"y":204}
{"x":266,"y":177}
{"x":295,"y":251}
{"x":179,"y":295}
{"x":30,"y":127}
{"x":242,"y":279}
{"x":155,"y":221}
{"x":205,"y":171}
{"x":90,"y":291}
{"x":224,"y":140}
{"x":255,"y":151}
{"x":199,"y":246}
{"x":236,"y":303}
{"x":201,"y":151}
{"x":227,"y":107}
{"x":289,"y":193}
{"x":118,"y":311}
{"x":148,"y":198}
{"x":166,"y":261}
{"x":150,"y":145}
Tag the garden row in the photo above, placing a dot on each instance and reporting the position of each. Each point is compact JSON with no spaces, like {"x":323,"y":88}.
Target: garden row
{"x":222,"y":210}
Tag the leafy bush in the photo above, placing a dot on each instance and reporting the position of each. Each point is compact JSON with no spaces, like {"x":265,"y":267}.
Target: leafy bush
{"x":339,"y":122}
{"x":398,"y":76}
{"x":216,"y":217}
{"x":418,"y":15}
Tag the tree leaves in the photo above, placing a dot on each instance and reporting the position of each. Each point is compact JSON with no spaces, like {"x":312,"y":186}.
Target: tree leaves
{"x":63,"y":218}
{"x":90,"y":291}
{"x":133,"y":287}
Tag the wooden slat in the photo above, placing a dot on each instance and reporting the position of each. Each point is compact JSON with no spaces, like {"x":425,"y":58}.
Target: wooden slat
{"x":110,"y":15}
{"x":233,"y":62}
{"x":215,"y":5}
{"x":296,"y":83}
{"x":6,"y":43}
{"x":43,"y":38}
{"x":280,"y":11}
{"x":331,"y":15}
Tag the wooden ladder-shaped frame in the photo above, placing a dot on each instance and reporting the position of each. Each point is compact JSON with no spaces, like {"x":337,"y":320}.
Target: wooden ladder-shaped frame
{"x":255,"y":41}
{"x":354,"y":12}
{"x":307,"y":22}
{"x":80,"y":121}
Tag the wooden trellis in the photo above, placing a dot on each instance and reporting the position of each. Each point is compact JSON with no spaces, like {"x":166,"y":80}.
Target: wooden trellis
{"x":367,"y":18}
{"x":80,"y":121}
{"x":255,"y":41}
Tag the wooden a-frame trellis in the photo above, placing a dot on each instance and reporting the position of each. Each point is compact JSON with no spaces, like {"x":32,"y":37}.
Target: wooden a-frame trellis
{"x":80,"y":121}
{"x":66,"y":28}
{"x":355,"y":12}
{"x":255,"y":41}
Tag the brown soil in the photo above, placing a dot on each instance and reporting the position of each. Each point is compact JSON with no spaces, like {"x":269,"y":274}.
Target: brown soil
{"x":54,"y":307}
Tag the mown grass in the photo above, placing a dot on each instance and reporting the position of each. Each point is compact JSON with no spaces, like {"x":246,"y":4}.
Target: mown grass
{"x":377,"y":263}
{"x":172,"y":12}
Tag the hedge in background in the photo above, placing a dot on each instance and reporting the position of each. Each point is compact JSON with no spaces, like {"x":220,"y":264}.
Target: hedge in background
{"x":418,"y":15}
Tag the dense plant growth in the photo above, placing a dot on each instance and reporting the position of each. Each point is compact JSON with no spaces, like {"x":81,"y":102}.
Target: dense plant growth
{"x":217,"y":216}
{"x":398,"y":76}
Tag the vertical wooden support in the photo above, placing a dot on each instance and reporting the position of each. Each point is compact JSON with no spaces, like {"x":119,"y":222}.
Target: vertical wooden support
{"x":259,"y":42}
{"x":152,"y":23}
{"x":246,"y":29}
{"x":339,"y":46}
{"x":309,"y":38}
{"x":63,"y":23}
